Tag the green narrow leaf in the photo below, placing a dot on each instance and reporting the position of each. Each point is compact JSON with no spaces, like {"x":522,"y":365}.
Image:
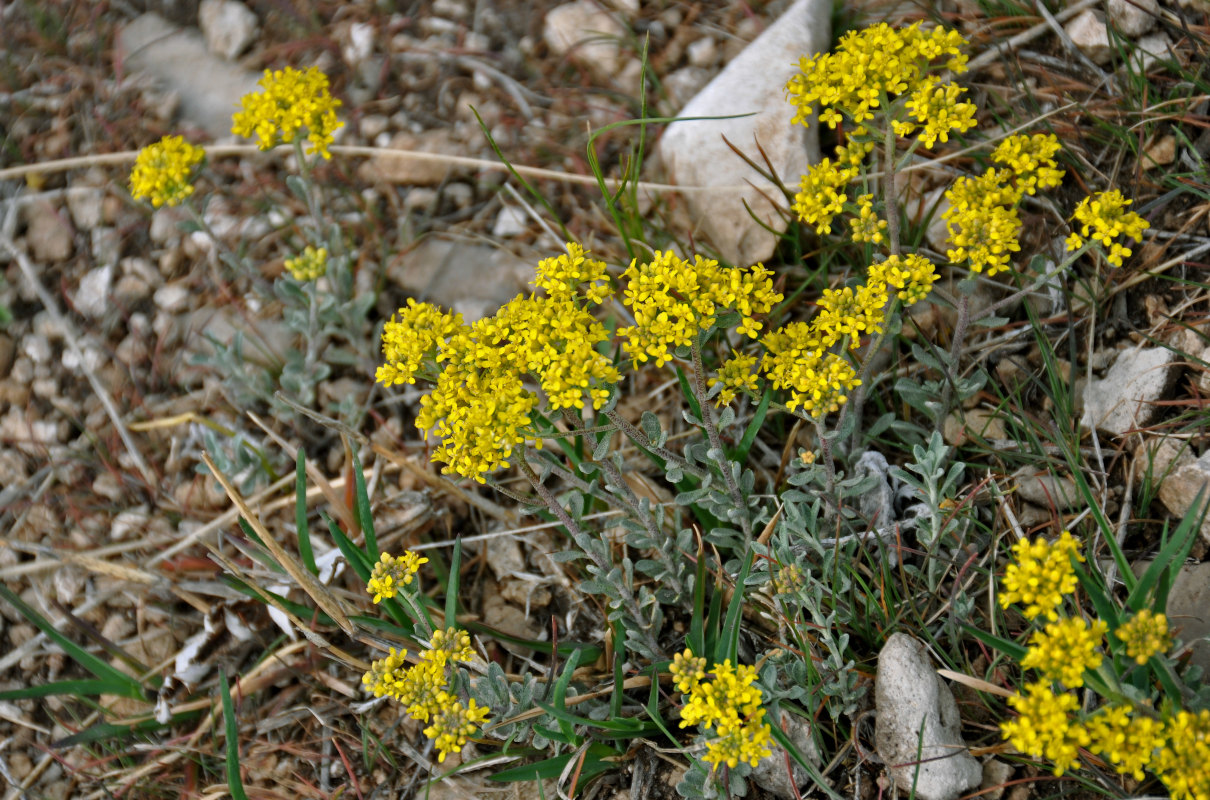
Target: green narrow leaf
{"x":352,"y":553}
{"x":740,"y":454}
{"x":697,"y":630}
{"x":1010,"y":648}
{"x":300,"y":514}
{"x":451,"y":587}
{"x":781,"y":738}
{"x":234,"y":784}
{"x":1169,"y":559}
{"x":83,"y":688}
{"x":98,"y":667}
{"x":687,"y":391}
{"x":728,"y":644}
{"x":365,"y":519}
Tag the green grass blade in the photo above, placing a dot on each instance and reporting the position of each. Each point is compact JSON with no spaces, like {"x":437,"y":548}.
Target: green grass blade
{"x":687,"y":391}
{"x":99,"y":668}
{"x":300,"y":514}
{"x":1169,"y":559}
{"x":781,"y":738}
{"x":451,"y":587}
{"x":740,"y":453}
{"x":234,"y":784}
{"x":84,"y":688}
{"x":728,"y":643}
{"x":365,"y":520}
{"x":352,"y":553}
{"x":697,"y":623}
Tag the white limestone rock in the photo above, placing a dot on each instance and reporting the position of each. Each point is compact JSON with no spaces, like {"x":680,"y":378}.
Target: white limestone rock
{"x":588,"y":35}
{"x":918,"y":729}
{"x":228,"y":25}
{"x":1091,"y":35}
{"x":695,"y":153}
{"x":1133,"y":17}
{"x":1124,"y":399}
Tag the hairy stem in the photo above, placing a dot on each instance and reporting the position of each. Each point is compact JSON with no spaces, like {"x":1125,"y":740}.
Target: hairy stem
{"x":716,"y":441}
{"x":829,"y":463}
{"x":638,"y":437}
{"x":951,"y":369}
{"x":891,"y":198}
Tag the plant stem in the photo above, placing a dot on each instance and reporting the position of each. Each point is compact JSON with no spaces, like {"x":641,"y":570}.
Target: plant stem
{"x":829,"y":464}
{"x":627,"y":494}
{"x":951,"y":368}
{"x":891,"y":198}
{"x":638,"y":437}
{"x":857,"y":401}
{"x":577,"y":534}
{"x":716,"y":441}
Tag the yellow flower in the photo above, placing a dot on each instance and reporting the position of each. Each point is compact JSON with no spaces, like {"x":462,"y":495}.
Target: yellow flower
{"x":384,"y":674}
{"x":818,"y":382}
{"x":308,"y":265}
{"x":410,"y":339}
{"x":564,"y":277}
{"x":869,"y":66}
{"x":1045,"y":726}
{"x":848,"y":312}
{"x":1127,"y":740}
{"x":912,"y":276}
{"x":1042,"y":575}
{"x":1031,"y":161}
{"x":867,"y":225}
{"x":1183,"y":762}
{"x":1065,"y":649}
{"x":390,"y":573}
{"x":727,"y":707}
{"x":938,"y":111}
{"x":1103,"y":218}
{"x":736,"y":375}
{"x":821,"y":194}
{"x":454,"y":724}
{"x":289,"y":101}
{"x":789,"y":577}
{"x":163,"y":171}
{"x":1145,"y":634}
{"x":673,"y":300}
{"x":449,"y":646}
{"x":982,"y":221}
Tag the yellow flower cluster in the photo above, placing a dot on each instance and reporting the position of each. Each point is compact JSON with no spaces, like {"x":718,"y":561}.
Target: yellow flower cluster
{"x":797,"y":356}
{"x":736,"y":375}
{"x":867,"y":225}
{"x":673,"y":300}
{"x":480,"y":406}
{"x":1047,"y":726}
{"x":1183,"y":763}
{"x":1041,"y":575}
{"x":1103,"y":218}
{"x":163,"y":171}
{"x":982,"y":221}
{"x":1145,"y":634}
{"x":728,"y":707}
{"x":868,"y":67}
{"x":565,"y":276}
{"x":289,"y":101}
{"x":424,"y":691}
{"x":1031,"y":161}
{"x":1065,"y":649}
{"x":308,"y":265}
{"x":789,"y":579}
{"x":410,"y":340}
{"x":1126,"y":739}
{"x":390,"y":573}
{"x":822,"y":191}
{"x":937,"y":111}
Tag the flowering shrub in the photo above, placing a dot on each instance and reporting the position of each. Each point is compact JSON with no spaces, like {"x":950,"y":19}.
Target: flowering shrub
{"x":727,"y":706}
{"x":289,"y":102}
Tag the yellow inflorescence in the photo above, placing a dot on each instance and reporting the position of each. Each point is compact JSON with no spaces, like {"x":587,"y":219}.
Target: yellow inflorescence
{"x":911,"y":276}
{"x":1065,"y":649}
{"x":390,"y":573}
{"x":937,"y":110}
{"x":163,"y":171}
{"x":822,"y":193}
{"x":867,"y":225}
{"x":1042,"y":575}
{"x":1031,"y":160}
{"x":481,"y":404}
{"x":1103,"y":218}
{"x":868,"y":68}
{"x":728,"y":707}
{"x":411,"y":338}
{"x":1046,"y":726}
{"x":565,"y":276}
{"x":308,"y":265}
{"x":1183,"y":763}
{"x":424,"y":691}
{"x":673,"y":300}
{"x":289,"y":101}
{"x":1145,"y":635}
{"x":819,"y":382}
{"x":736,"y":375}
{"x":982,"y":221}
{"x":1127,"y":740}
